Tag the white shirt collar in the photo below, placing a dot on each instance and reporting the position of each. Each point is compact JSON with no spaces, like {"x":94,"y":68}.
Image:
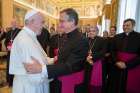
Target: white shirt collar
{"x":29,"y":31}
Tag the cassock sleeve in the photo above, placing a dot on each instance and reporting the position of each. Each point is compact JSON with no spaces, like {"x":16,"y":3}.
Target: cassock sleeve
{"x":134,"y":62}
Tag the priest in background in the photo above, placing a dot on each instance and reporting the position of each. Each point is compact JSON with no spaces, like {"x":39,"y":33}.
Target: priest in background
{"x":94,"y":74}
{"x":125,"y":77}
{"x":9,"y":36}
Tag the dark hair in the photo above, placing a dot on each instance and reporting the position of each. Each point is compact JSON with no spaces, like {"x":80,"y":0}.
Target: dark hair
{"x":114,"y":27}
{"x":131,"y":20}
{"x":73,"y":15}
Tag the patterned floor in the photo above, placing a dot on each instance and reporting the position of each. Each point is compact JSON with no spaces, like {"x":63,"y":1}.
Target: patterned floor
{"x":2,"y":72}
{"x":5,"y":89}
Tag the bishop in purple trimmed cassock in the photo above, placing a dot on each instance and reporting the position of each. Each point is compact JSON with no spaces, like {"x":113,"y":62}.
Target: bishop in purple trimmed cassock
{"x":125,"y":77}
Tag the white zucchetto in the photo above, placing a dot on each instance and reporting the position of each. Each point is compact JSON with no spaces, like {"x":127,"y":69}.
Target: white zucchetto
{"x":30,"y":14}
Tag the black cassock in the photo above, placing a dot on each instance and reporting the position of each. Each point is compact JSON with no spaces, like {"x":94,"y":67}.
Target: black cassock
{"x":126,"y":48}
{"x":98,"y":47}
{"x":71,"y":57}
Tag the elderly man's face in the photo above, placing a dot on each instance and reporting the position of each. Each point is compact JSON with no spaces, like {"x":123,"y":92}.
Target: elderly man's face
{"x":92,"y":33}
{"x":38,"y":23}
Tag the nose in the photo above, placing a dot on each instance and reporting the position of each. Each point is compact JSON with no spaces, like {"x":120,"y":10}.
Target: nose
{"x":61,"y":25}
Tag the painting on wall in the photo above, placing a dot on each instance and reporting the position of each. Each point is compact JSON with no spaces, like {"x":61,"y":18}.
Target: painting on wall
{"x":44,"y":5}
{"x":19,"y":14}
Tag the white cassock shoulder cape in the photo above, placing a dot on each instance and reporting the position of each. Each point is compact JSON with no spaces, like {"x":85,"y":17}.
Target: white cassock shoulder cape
{"x":24,"y":46}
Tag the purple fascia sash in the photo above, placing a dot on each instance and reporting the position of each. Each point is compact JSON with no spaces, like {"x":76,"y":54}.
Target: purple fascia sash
{"x":69,"y":82}
{"x":95,"y":85}
{"x":96,"y":74}
{"x":133,"y":78}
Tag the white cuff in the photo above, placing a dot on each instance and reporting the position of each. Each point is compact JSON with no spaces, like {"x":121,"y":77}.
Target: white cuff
{"x":44,"y":71}
{"x":50,"y":60}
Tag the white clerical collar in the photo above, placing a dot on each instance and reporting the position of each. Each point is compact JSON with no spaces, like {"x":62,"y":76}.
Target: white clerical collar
{"x":127,"y":33}
{"x":28,"y":30}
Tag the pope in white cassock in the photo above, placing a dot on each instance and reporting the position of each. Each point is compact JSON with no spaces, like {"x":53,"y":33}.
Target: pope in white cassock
{"x":24,"y":47}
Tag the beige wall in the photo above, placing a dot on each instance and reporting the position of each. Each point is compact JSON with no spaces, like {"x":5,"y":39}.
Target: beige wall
{"x":92,"y":21}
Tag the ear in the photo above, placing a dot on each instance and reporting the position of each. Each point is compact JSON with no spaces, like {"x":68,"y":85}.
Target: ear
{"x":72,"y":22}
{"x":32,"y":20}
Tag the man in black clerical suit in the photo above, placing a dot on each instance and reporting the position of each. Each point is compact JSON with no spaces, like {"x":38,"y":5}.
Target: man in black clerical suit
{"x":71,"y":55}
{"x":108,"y":62}
{"x":125,"y":77}
{"x":97,"y":50}
{"x":9,"y":37}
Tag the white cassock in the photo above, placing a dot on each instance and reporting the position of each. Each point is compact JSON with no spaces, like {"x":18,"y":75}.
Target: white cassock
{"x":24,"y":46}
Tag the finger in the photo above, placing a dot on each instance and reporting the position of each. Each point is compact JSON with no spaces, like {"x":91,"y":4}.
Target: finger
{"x":35,"y":61}
{"x":31,"y":72}
{"x":28,"y":72}
{"x":25,"y":65}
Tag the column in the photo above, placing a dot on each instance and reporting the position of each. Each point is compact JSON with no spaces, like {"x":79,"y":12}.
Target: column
{"x":99,"y":22}
{"x":138,"y":17}
{"x":121,"y":15}
{"x":106,"y":19}
{"x":131,"y":6}
{"x":7,"y":12}
{"x":103,"y":25}
{"x":127,"y":9}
